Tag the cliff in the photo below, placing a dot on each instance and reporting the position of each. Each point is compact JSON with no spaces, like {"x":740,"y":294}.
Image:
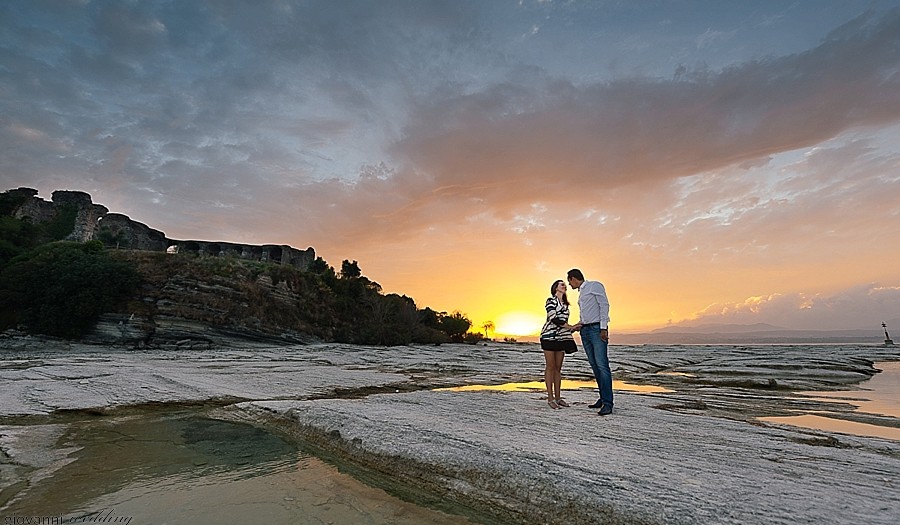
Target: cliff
{"x":202,"y":302}
{"x":148,"y":291}
{"x":193,"y":293}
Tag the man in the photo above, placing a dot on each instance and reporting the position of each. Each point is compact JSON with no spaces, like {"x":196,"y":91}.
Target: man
{"x":593,"y":306}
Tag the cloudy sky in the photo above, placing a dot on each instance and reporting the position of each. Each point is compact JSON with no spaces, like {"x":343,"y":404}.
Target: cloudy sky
{"x":708,"y":161}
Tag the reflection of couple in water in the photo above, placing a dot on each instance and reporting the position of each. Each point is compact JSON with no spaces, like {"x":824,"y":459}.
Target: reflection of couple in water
{"x":557,"y":339}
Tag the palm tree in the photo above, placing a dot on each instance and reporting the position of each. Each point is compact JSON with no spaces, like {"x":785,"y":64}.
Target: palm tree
{"x":488,"y":326}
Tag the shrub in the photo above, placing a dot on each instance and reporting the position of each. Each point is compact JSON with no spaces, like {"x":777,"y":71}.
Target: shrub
{"x":63,"y":224}
{"x":473,"y":338}
{"x":454,"y":325}
{"x":62,"y":288}
{"x":16,"y":237}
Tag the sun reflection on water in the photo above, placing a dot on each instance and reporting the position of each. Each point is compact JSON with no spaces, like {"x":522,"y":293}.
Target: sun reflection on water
{"x":567,"y":384}
{"x":830,"y":424}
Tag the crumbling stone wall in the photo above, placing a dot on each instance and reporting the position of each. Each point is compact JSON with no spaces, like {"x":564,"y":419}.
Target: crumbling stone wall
{"x":32,"y":208}
{"x":93,"y":221}
{"x":120,"y":231}
{"x":282,"y":253}
{"x":86,"y":221}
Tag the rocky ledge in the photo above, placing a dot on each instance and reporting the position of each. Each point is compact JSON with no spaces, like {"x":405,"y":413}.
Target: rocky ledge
{"x":696,"y":453}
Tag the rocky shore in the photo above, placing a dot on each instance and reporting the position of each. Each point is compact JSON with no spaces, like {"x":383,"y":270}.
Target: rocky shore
{"x":695,"y":454}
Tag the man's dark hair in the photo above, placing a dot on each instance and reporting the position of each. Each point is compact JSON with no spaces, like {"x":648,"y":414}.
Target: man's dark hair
{"x":576,"y":273}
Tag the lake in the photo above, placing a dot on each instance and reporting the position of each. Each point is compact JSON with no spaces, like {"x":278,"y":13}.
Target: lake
{"x":182,"y":467}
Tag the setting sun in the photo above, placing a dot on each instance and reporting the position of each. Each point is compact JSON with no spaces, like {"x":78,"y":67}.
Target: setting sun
{"x":519,"y":323}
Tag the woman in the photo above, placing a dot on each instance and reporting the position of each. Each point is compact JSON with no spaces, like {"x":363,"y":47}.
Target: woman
{"x":556,"y":342}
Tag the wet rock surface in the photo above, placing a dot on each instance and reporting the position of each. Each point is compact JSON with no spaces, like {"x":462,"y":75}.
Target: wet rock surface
{"x":697,"y":454}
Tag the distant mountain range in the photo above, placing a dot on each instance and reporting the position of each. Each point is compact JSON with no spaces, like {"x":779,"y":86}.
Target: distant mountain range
{"x":757,"y":333}
{"x":721,"y":328}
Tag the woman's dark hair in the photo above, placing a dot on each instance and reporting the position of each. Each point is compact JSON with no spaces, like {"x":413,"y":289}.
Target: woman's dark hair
{"x":565,"y":299}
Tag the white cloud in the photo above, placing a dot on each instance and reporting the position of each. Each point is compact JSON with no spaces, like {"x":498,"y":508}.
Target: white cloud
{"x":854,"y":308}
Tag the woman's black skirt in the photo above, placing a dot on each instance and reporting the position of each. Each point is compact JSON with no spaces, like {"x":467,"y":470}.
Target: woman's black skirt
{"x":559,"y":345}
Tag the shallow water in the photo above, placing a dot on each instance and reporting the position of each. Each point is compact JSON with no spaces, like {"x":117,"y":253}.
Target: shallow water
{"x":184,"y":468}
{"x":565,"y":384}
{"x":879,"y":396}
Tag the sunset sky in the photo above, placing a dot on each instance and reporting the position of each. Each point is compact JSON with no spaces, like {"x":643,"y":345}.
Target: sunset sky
{"x":709,"y":161}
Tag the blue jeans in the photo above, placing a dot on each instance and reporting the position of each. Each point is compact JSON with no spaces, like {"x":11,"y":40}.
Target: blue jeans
{"x":597,"y":354}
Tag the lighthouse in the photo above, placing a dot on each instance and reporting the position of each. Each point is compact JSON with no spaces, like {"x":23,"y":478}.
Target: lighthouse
{"x":887,"y":338}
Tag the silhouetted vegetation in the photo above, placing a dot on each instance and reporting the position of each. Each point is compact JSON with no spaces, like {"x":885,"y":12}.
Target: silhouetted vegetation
{"x":364,"y":316}
{"x":113,"y":238}
{"x":454,"y":325}
{"x":17,"y":236}
{"x":63,"y":224}
{"x":61,"y":289}
{"x":349,"y":270}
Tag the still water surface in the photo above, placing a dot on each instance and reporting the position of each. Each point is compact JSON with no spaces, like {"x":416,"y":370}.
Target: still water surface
{"x":184,"y":468}
{"x":879,"y":396}
{"x":565,"y":384}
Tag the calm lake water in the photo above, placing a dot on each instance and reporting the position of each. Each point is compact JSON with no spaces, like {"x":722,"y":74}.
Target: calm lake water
{"x":879,"y":396}
{"x":185,"y":468}
{"x":565,"y":384}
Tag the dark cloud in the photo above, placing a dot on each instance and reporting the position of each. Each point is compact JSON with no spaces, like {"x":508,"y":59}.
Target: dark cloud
{"x":626,"y":131}
{"x":499,"y":148}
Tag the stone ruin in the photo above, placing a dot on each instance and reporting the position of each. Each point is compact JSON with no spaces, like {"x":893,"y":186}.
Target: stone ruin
{"x":95,"y":222}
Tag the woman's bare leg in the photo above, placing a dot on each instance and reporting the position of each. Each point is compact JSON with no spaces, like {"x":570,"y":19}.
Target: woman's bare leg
{"x":549,"y":377}
{"x":557,"y":374}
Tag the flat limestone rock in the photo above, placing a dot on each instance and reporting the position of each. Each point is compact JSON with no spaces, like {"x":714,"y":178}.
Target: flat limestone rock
{"x":696,"y":453}
{"x":508,"y":454}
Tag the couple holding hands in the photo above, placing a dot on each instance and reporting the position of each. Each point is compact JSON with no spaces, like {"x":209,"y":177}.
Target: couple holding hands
{"x":557,"y":340}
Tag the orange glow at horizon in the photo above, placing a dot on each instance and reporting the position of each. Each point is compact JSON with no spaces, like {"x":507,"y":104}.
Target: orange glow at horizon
{"x":503,"y":279}
{"x":519,"y":323}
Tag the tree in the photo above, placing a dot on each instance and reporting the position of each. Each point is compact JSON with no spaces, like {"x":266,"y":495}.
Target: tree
{"x":350,"y":270}
{"x":63,"y":224}
{"x":390,"y":320}
{"x":16,"y":237}
{"x":429,"y":318}
{"x":62,"y":288}
{"x":454,"y":325}
{"x":487,"y":326}
{"x":319,"y":266}
{"x":112,"y":238}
